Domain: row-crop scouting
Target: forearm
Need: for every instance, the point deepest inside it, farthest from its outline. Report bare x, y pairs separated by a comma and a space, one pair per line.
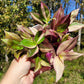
9, 79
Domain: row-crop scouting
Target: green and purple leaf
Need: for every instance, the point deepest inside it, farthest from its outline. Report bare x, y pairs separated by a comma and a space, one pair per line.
40, 36
35, 29
67, 45
69, 55
57, 16
63, 23
44, 63
17, 54
7, 41
46, 47
33, 51
45, 10
23, 29
12, 36
37, 64
12, 44
36, 17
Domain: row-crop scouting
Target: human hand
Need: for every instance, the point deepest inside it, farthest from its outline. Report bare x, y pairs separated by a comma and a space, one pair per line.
18, 72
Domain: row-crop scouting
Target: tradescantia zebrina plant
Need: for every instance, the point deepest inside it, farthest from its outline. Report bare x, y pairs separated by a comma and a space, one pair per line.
47, 44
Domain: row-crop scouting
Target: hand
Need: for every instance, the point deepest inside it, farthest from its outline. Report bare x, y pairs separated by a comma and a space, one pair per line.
18, 72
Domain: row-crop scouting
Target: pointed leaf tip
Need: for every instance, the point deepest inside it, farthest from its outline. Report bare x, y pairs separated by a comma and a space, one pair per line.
71, 55
67, 45
36, 17
75, 26
74, 13
59, 68
45, 11
12, 36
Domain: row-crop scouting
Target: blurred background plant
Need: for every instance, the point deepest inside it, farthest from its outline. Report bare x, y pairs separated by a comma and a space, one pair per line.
14, 12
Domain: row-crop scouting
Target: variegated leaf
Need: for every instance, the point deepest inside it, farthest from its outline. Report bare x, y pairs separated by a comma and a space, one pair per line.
36, 28
44, 63
28, 43
70, 55
33, 51
59, 67
46, 47
23, 29
36, 17
12, 36
45, 10
67, 45
74, 13
40, 36
75, 26
57, 16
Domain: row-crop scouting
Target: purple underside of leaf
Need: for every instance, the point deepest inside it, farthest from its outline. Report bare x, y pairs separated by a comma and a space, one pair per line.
48, 56
57, 16
59, 67
67, 45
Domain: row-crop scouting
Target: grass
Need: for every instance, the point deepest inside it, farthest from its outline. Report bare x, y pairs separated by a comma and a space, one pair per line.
73, 74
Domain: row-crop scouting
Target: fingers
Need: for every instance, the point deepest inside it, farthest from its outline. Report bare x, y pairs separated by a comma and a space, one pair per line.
31, 77
32, 73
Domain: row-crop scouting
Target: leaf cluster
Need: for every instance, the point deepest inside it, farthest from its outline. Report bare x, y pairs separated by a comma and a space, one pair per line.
48, 43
